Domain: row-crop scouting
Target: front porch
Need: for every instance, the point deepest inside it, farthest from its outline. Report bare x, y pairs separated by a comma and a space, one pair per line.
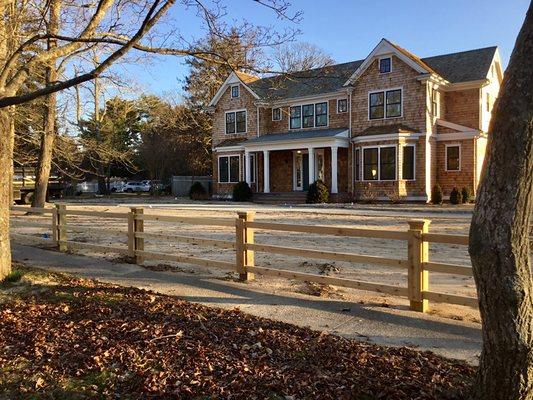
283, 163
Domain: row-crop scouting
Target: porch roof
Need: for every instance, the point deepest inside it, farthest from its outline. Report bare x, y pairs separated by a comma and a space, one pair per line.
302, 139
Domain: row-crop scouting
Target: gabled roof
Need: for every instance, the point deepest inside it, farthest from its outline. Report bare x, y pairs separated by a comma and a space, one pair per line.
465, 66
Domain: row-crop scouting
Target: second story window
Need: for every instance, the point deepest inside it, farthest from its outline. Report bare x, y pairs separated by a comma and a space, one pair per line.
296, 117
321, 111
385, 65
236, 122
309, 115
235, 91
342, 106
276, 114
386, 104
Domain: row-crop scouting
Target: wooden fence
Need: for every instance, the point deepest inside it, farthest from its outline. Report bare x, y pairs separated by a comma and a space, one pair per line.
416, 238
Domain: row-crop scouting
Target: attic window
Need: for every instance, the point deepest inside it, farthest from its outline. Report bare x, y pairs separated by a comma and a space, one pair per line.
235, 91
385, 65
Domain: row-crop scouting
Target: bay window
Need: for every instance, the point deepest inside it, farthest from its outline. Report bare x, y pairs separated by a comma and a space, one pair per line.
370, 164
387, 163
379, 163
408, 162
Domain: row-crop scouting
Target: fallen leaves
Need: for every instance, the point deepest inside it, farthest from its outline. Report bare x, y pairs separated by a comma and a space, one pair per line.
84, 341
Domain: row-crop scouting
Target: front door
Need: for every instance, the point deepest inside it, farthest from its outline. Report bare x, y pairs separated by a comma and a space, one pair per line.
301, 171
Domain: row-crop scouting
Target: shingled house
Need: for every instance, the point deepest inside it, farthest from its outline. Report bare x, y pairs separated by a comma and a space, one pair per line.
391, 125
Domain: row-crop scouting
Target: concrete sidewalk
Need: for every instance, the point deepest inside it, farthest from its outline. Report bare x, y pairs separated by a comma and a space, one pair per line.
387, 326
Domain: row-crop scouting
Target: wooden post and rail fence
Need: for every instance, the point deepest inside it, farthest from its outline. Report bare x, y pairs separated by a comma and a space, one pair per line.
417, 237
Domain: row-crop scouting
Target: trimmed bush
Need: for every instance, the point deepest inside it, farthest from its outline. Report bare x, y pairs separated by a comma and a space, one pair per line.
465, 192
197, 191
242, 192
436, 194
455, 196
318, 193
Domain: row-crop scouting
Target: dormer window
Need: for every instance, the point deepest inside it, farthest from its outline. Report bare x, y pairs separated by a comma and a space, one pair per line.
235, 91
385, 65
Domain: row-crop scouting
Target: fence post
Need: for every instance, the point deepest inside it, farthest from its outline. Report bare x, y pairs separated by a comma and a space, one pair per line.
131, 234
61, 210
417, 276
244, 236
138, 227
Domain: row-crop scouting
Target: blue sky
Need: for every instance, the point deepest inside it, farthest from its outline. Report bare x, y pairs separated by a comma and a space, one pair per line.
349, 29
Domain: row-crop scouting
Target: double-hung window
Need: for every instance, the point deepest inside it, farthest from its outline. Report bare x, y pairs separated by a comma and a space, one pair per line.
385, 104
321, 112
309, 115
408, 162
296, 117
235, 91
379, 163
342, 106
276, 114
228, 169
385, 65
453, 157
236, 122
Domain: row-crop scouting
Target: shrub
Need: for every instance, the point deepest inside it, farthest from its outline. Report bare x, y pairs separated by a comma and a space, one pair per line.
393, 196
436, 194
318, 193
455, 196
242, 192
465, 192
197, 191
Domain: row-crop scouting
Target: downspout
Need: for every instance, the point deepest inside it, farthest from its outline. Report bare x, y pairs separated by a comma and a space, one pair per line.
352, 151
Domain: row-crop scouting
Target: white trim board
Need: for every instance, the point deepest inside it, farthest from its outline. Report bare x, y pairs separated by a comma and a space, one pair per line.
390, 136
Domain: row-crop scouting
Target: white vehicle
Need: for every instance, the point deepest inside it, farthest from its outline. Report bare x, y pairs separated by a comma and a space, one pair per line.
135, 186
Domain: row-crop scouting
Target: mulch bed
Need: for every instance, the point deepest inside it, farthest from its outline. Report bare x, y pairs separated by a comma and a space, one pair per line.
82, 339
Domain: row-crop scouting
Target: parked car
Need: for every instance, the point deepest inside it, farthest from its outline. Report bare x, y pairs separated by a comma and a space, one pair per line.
135, 186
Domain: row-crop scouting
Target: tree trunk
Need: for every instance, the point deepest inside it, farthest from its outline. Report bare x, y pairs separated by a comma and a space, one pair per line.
6, 165
44, 164
499, 236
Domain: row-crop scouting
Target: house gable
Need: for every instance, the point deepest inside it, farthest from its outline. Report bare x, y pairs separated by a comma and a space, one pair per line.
386, 48
234, 79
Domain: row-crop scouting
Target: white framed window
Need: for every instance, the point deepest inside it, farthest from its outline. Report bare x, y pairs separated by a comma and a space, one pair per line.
408, 162
229, 169
385, 65
276, 114
308, 115
234, 91
385, 104
357, 163
235, 121
253, 170
453, 157
379, 163
342, 106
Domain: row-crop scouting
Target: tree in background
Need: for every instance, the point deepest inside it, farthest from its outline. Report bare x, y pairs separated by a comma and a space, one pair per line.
499, 235
299, 56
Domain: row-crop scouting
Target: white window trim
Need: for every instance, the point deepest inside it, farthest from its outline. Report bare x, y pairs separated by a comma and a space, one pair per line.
314, 115
229, 172
238, 91
446, 157
384, 91
280, 114
379, 147
379, 62
245, 119
253, 161
342, 112
413, 145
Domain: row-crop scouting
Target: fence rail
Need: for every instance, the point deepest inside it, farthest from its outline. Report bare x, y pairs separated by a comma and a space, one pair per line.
417, 239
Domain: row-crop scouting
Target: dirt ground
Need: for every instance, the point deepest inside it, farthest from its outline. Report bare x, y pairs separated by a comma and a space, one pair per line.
445, 283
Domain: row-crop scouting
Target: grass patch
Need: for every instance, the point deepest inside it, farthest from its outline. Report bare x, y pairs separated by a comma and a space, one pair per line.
13, 277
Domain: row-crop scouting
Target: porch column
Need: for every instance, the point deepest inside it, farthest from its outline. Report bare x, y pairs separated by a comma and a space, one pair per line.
334, 185
266, 171
311, 157
247, 168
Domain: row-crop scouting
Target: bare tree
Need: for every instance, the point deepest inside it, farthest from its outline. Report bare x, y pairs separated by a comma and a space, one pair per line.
299, 56
119, 25
499, 235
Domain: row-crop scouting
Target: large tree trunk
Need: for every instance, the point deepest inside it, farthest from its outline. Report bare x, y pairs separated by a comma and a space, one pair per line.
499, 236
44, 164
6, 165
